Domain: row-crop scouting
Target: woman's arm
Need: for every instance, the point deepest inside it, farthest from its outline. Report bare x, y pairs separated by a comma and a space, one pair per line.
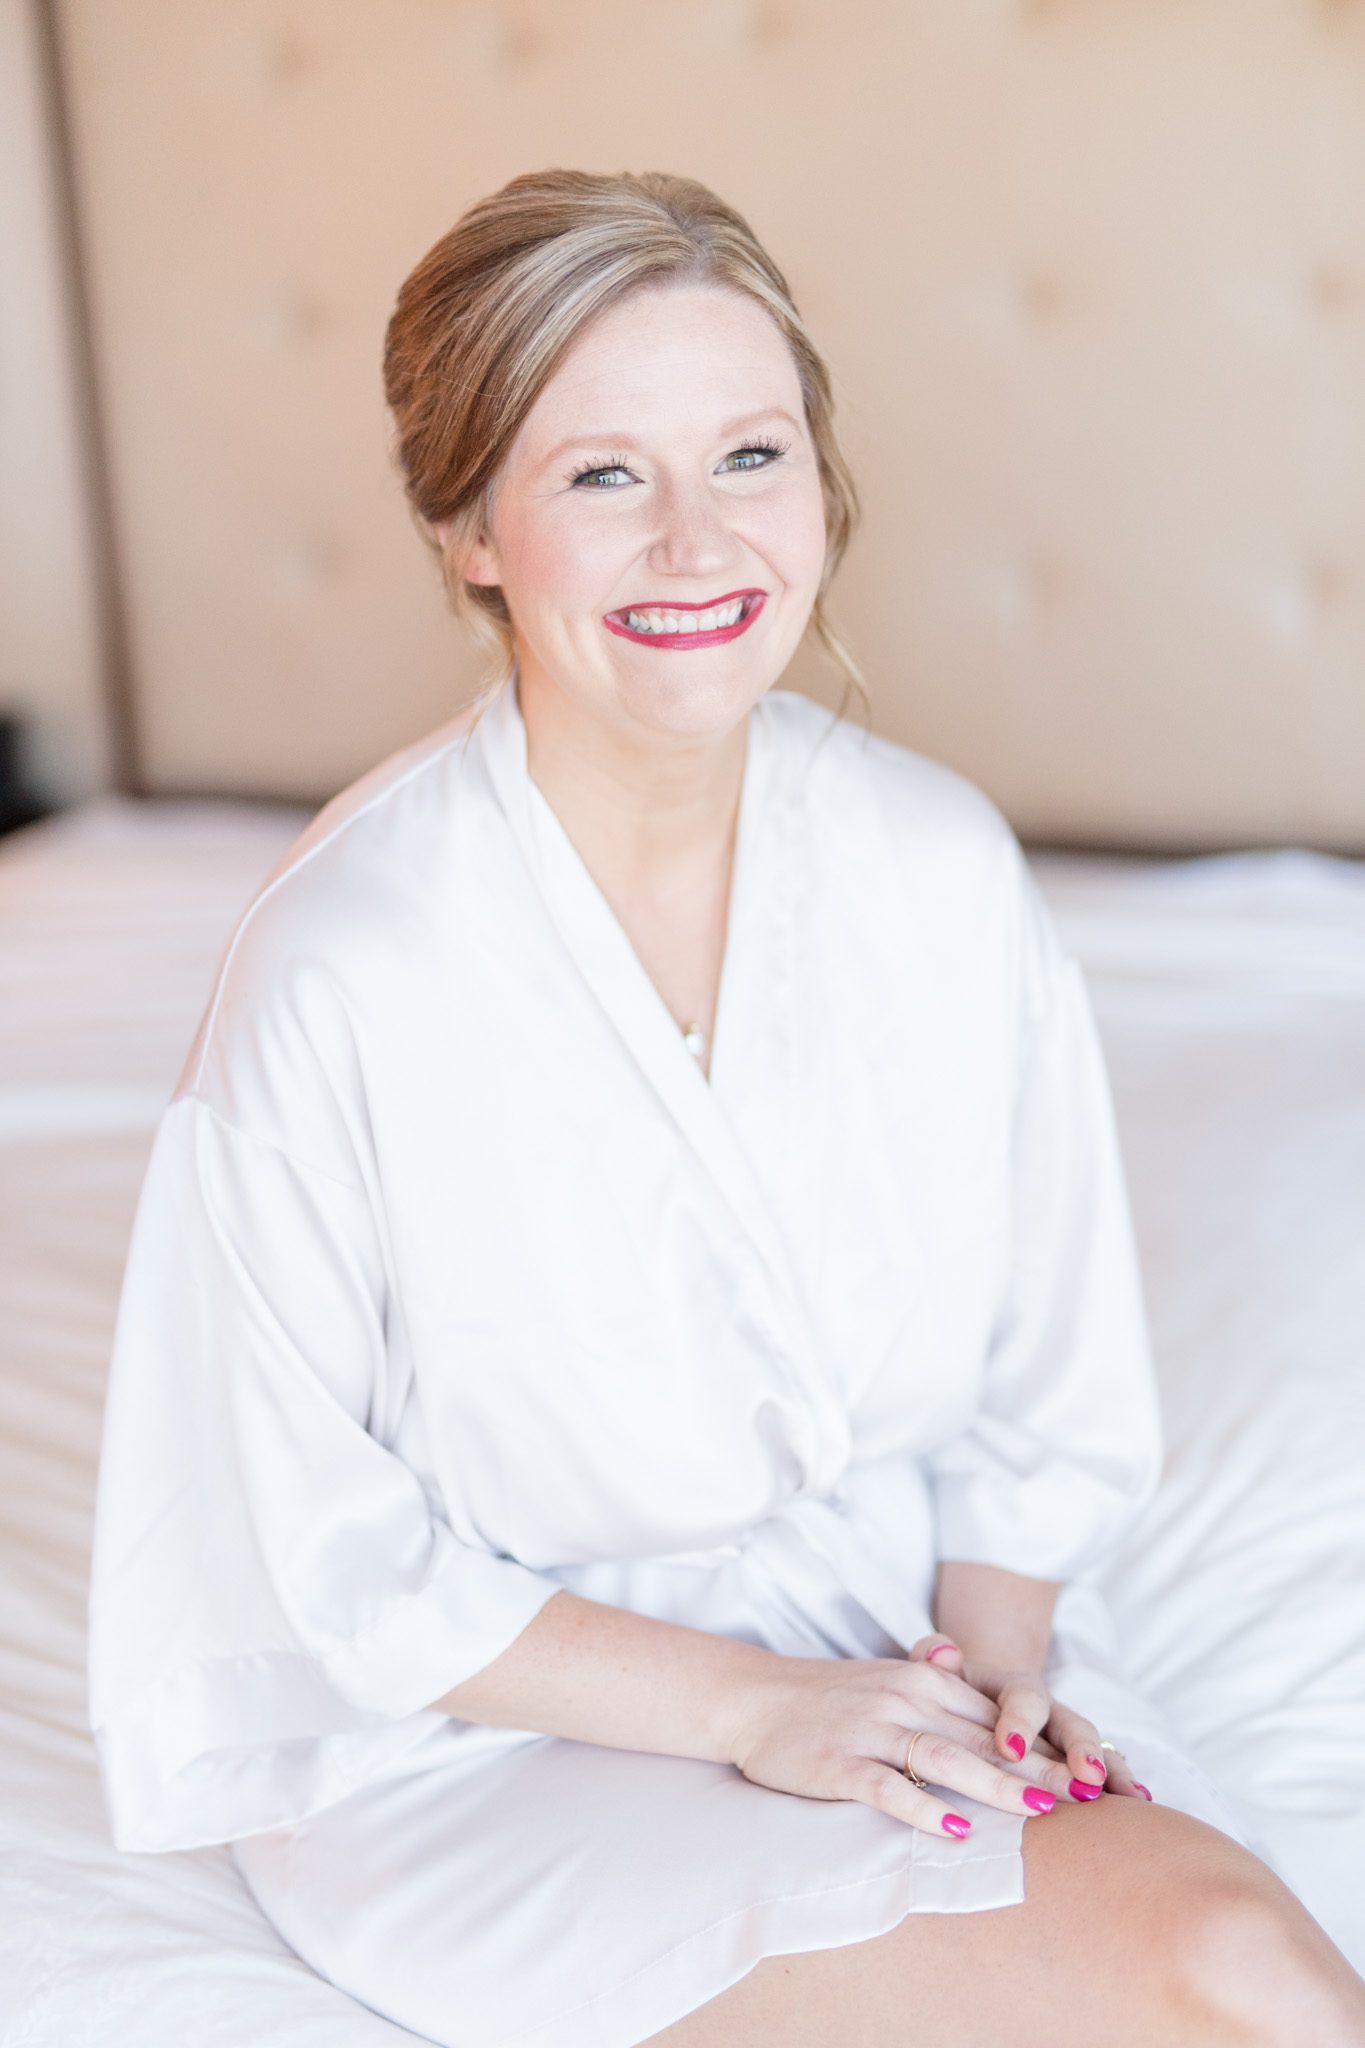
600, 1674
827, 1728
995, 1617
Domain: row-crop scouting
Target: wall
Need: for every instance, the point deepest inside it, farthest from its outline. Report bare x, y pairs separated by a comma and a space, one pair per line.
51, 661
1091, 274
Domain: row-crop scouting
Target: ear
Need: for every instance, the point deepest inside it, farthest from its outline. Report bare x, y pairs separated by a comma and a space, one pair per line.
479, 566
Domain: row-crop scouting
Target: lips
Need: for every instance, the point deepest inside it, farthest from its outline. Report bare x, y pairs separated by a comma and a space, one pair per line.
680, 627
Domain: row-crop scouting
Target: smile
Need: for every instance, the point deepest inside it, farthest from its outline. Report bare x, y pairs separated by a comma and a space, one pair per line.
680, 627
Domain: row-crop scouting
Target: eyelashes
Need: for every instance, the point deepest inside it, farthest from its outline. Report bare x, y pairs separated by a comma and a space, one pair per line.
614, 464
761, 444
760, 452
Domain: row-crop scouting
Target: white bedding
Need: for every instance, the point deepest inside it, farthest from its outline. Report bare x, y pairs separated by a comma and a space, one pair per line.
1231, 994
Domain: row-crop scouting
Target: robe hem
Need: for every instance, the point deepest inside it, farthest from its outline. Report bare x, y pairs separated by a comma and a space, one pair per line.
720, 1955
796, 1924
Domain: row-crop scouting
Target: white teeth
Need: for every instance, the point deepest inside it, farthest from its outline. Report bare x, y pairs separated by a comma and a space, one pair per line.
713, 620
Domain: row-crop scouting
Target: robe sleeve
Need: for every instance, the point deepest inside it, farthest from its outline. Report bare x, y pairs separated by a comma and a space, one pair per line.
277, 1596
1064, 1446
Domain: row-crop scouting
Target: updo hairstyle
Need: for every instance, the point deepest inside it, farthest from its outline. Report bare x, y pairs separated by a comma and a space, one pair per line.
488, 315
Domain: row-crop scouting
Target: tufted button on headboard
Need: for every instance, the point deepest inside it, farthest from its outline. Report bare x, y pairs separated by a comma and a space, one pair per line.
1091, 274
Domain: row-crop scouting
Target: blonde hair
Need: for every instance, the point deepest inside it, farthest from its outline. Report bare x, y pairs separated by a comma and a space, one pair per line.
488, 315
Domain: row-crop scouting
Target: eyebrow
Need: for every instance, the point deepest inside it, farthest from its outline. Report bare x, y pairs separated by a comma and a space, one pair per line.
626, 442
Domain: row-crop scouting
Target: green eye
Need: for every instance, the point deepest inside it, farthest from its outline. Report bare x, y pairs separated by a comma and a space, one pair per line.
610, 478
756, 455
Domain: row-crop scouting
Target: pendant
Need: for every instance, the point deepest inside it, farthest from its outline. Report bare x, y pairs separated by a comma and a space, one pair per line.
694, 1038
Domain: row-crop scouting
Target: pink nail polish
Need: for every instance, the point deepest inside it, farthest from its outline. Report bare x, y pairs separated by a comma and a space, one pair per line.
1099, 1763
1080, 1790
1017, 1744
1143, 1793
939, 1649
1040, 1801
954, 1824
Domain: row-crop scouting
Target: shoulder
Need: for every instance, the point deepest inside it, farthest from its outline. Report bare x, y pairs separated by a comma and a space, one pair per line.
915, 846
870, 787
379, 823
344, 906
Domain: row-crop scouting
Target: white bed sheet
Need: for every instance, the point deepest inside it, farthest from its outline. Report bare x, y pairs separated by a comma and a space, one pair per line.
1231, 998
1231, 995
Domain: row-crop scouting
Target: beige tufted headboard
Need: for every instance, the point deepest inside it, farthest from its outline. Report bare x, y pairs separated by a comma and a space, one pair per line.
1091, 274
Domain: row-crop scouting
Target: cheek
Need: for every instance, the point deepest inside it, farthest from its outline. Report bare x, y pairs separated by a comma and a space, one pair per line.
564, 566
790, 533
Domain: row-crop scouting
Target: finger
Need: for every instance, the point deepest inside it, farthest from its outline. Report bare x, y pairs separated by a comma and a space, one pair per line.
1022, 1697
940, 1651
882, 1786
1079, 1742
1121, 1780
944, 1763
1026, 1708
1040, 1765
954, 1696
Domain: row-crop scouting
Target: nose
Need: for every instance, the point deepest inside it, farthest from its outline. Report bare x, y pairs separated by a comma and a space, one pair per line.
694, 537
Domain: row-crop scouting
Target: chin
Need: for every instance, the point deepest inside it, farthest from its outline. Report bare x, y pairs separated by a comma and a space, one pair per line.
690, 704
705, 692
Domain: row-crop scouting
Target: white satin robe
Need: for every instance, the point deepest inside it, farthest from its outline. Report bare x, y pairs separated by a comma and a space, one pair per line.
454, 1283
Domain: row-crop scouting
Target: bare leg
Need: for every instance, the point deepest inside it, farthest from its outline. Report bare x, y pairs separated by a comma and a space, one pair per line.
1141, 1929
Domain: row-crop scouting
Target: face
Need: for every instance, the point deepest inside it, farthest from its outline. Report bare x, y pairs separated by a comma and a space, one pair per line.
658, 530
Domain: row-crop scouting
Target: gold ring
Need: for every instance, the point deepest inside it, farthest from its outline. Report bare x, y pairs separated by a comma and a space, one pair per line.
910, 1773
1114, 1750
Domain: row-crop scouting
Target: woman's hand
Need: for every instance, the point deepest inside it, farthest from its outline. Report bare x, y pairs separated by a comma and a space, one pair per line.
842, 1729
1031, 1722
822, 1728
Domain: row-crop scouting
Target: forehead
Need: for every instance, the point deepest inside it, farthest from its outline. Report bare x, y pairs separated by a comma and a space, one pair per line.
690, 355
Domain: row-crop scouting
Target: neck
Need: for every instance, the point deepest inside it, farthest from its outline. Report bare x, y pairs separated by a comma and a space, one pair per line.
644, 810
653, 819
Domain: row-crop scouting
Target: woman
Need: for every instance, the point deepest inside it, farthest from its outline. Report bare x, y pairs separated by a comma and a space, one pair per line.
638, 1249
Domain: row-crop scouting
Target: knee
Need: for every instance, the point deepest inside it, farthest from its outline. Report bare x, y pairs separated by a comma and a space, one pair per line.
1242, 1971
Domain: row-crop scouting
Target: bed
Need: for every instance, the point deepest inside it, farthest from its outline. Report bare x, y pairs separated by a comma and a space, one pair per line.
1231, 997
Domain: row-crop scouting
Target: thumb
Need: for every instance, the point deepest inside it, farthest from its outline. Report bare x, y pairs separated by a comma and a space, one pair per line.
940, 1651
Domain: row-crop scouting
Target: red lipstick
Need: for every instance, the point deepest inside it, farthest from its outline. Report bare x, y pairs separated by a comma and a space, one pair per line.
751, 603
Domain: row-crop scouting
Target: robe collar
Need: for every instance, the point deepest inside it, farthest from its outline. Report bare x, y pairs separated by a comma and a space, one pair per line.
603, 955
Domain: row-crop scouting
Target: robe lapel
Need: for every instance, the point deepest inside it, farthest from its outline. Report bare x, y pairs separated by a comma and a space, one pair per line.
607, 962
